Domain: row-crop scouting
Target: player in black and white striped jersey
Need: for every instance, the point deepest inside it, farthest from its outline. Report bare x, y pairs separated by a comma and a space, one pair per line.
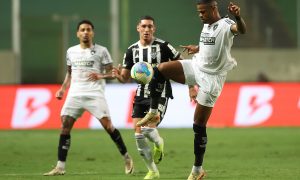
154, 51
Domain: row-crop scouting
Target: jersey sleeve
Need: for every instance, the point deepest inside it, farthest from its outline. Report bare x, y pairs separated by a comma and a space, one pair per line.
106, 58
171, 52
68, 59
229, 23
128, 59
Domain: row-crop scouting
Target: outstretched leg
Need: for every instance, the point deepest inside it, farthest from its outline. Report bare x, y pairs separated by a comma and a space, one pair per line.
169, 70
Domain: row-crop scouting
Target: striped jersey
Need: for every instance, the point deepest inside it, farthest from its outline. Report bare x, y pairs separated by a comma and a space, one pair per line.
83, 62
157, 52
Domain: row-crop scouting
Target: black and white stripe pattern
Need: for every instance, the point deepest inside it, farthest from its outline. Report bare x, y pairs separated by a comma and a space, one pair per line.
157, 52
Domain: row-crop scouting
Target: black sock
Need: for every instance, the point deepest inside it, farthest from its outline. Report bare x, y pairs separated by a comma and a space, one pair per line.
63, 147
156, 88
200, 141
117, 138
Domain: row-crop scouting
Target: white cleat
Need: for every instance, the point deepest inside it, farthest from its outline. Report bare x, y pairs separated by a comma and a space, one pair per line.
197, 176
55, 172
150, 118
129, 169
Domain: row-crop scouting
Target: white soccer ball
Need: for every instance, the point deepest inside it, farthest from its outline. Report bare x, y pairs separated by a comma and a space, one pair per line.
142, 72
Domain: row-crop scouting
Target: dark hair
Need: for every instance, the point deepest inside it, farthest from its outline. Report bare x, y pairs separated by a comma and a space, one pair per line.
85, 21
204, 1
147, 17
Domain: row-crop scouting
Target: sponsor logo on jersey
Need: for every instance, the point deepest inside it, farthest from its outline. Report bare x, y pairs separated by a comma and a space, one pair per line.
208, 40
83, 63
215, 27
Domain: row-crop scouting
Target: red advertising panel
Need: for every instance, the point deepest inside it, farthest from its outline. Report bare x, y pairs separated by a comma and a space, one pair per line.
240, 105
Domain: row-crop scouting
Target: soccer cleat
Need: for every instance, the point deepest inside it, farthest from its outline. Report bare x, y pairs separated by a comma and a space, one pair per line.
150, 118
152, 175
197, 176
158, 152
55, 172
129, 169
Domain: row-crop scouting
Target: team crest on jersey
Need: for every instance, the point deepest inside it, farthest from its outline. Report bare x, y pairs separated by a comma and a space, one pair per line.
153, 55
215, 27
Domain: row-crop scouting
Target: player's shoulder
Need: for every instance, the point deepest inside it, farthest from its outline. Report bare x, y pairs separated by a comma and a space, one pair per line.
100, 47
226, 20
159, 41
74, 48
134, 45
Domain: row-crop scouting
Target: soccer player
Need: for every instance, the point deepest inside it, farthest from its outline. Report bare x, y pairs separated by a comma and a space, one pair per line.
154, 51
207, 70
89, 64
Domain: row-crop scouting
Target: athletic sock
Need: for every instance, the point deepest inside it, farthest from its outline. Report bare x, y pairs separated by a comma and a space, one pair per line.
145, 151
61, 164
153, 135
196, 169
200, 141
156, 88
117, 138
63, 147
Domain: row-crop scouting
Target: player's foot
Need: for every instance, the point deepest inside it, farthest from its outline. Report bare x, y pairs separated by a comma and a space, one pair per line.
197, 176
152, 175
128, 165
158, 152
150, 118
55, 172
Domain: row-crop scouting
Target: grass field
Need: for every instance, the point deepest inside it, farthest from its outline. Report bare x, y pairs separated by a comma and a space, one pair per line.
233, 154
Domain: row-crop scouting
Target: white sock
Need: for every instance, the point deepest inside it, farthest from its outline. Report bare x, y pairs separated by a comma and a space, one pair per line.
154, 111
145, 151
153, 135
126, 156
61, 164
196, 169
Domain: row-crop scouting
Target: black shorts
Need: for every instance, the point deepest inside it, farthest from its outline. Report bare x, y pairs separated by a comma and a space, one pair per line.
141, 109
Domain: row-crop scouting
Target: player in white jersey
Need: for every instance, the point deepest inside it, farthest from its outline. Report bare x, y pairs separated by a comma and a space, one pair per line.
154, 51
205, 73
89, 64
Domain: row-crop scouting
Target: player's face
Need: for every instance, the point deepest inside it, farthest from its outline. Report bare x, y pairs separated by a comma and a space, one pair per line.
146, 28
85, 33
205, 12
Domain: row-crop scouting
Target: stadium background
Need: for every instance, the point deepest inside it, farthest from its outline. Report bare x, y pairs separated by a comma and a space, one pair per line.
270, 48
261, 93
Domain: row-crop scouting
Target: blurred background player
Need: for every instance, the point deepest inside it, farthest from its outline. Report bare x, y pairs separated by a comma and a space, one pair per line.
89, 64
154, 51
207, 69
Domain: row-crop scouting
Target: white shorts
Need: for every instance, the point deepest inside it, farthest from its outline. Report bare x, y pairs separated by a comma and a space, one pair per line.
74, 106
210, 85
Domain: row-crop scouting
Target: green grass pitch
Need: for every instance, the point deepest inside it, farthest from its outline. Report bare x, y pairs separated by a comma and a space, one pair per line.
232, 153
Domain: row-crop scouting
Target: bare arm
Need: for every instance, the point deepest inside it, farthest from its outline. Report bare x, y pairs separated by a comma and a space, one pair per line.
191, 49
60, 93
106, 75
122, 74
240, 26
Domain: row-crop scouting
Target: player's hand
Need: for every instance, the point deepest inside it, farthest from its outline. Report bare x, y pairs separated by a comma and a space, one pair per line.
193, 94
234, 9
95, 76
191, 49
116, 71
59, 94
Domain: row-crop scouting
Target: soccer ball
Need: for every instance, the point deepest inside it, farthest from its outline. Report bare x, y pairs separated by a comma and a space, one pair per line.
142, 72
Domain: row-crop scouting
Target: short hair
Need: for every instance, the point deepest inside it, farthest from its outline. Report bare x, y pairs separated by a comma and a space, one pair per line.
204, 1
85, 21
147, 17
